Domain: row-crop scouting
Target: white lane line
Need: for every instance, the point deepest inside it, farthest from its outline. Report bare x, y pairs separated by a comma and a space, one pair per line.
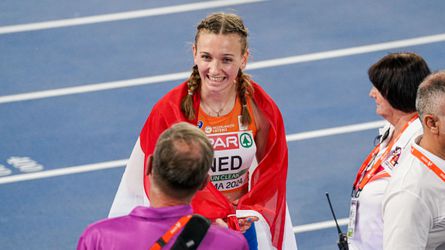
334, 131
63, 171
349, 51
122, 163
319, 225
121, 16
251, 66
93, 87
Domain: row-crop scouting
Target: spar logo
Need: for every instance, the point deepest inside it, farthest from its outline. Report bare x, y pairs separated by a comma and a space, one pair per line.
246, 140
224, 142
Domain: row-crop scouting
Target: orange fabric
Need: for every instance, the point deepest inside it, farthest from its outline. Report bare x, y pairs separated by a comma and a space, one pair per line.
367, 172
230, 120
428, 163
228, 123
379, 175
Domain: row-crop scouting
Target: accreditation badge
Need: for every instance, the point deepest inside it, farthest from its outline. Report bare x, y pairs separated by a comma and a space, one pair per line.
352, 217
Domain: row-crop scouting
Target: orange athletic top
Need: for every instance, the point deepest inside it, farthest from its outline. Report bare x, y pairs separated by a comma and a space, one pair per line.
234, 148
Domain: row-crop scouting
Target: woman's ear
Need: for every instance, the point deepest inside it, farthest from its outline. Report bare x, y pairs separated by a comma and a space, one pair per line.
194, 51
245, 59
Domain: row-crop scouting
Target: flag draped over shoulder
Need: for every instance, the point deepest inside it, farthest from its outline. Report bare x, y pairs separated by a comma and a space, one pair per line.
268, 181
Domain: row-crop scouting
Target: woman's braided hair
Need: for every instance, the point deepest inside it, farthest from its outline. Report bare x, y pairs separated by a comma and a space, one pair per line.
221, 23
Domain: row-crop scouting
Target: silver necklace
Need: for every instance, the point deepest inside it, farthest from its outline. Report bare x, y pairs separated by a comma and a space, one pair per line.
218, 113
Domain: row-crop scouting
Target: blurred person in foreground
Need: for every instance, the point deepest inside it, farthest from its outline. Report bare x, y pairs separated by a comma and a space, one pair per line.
177, 169
414, 203
395, 79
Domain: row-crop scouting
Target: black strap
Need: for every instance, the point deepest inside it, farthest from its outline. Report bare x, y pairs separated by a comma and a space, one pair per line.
192, 234
161, 242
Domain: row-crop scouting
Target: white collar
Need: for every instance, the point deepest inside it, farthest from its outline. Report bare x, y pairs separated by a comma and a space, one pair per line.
434, 158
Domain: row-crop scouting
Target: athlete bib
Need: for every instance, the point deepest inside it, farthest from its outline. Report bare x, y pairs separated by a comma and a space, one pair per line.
234, 148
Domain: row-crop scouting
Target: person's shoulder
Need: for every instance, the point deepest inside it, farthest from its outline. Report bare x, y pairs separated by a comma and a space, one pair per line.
168, 104
99, 232
105, 226
413, 131
259, 92
405, 166
224, 238
408, 176
174, 94
262, 99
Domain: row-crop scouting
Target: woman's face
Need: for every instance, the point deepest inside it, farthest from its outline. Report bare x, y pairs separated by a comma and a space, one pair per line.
219, 59
383, 108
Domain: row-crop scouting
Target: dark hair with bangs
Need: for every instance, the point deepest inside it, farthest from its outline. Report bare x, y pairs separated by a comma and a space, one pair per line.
397, 77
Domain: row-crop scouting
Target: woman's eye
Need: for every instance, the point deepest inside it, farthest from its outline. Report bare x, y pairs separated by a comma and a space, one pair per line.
227, 60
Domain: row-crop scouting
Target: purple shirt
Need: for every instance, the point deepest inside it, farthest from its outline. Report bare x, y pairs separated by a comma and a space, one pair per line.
143, 227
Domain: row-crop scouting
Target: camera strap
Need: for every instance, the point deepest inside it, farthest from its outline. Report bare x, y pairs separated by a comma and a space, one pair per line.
195, 228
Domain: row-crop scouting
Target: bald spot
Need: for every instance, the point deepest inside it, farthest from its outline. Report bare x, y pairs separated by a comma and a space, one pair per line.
192, 148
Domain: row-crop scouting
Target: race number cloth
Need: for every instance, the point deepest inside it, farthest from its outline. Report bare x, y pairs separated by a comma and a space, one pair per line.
268, 181
234, 148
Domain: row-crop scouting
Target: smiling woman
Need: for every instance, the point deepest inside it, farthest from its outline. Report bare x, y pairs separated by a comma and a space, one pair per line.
218, 59
247, 191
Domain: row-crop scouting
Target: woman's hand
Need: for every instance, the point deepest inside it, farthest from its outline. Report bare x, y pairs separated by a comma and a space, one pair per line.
246, 222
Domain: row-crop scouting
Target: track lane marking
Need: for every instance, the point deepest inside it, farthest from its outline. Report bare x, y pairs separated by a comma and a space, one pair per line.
319, 225
334, 131
63, 171
122, 162
121, 16
251, 66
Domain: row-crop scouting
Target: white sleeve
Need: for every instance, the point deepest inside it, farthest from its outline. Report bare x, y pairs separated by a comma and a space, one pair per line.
406, 221
131, 190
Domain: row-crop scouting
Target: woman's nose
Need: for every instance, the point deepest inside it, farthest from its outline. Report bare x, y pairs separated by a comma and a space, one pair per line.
214, 66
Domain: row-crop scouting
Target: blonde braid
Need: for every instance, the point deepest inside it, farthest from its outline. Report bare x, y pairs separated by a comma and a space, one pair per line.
187, 101
245, 89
